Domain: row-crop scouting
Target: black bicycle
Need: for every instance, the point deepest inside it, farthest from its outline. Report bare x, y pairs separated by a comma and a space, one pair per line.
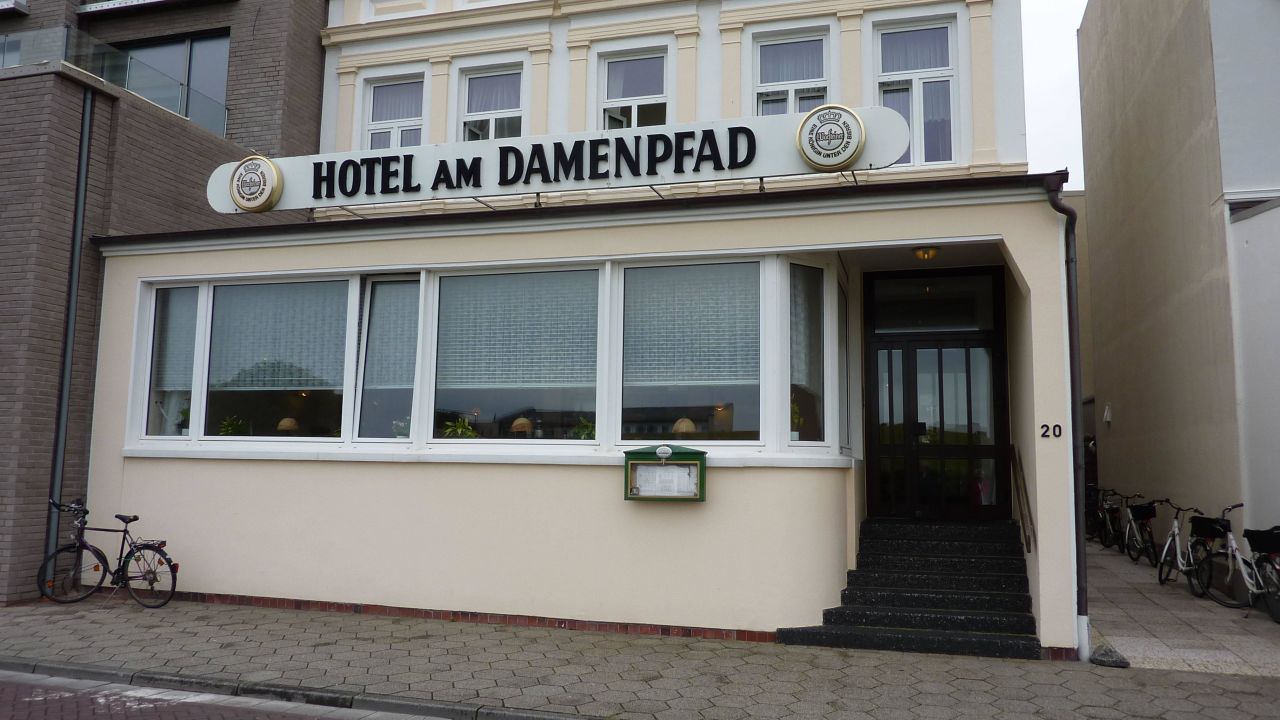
75, 571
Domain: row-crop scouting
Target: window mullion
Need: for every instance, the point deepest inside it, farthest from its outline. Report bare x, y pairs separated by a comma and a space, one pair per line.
428, 328
200, 362
775, 357
608, 413
352, 354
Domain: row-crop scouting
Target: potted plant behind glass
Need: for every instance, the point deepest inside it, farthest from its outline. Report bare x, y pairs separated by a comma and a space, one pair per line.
400, 428
460, 428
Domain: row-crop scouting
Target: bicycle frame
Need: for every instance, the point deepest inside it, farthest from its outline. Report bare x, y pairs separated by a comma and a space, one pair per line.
1247, 572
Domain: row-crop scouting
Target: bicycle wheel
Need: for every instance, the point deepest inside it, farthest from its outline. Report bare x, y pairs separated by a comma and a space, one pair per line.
149, 576
1269, 577
1106, 535
1133, 543
1149, 545
1168, 562
72, 573
1200, 574
1223, 598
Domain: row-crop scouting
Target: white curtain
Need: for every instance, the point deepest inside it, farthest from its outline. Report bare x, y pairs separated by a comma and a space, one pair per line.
174, 339
641, 77
397, 101
520, 330
899, 99
914, 50
391, 350
937, 121
692, 325
490, 93
285, 336
787, 62
806, 328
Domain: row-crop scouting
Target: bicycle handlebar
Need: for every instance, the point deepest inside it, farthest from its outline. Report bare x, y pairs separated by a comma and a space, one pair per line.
76, 506
1229, 508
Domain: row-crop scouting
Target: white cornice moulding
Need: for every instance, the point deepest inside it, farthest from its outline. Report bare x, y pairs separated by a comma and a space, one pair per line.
16, 6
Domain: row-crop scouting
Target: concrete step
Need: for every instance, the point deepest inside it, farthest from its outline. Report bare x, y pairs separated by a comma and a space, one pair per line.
970, 582
986, 564
939, 599
950, 642
931, 619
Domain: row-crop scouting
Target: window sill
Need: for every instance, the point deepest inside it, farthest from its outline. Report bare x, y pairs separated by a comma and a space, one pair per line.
717, 456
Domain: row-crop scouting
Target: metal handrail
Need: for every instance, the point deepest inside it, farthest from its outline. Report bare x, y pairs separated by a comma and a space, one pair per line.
1019, 475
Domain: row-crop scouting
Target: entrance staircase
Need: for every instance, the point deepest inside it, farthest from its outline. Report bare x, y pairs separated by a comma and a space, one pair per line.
937, 587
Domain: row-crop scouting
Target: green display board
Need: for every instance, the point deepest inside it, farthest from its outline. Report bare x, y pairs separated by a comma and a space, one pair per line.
665, 473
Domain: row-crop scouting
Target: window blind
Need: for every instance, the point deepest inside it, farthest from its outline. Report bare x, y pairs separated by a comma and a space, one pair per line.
791, 61
174, 341
692, 325
520, 330
914, 50
491, 93
391, 353
287, 336
398, 101
641, 77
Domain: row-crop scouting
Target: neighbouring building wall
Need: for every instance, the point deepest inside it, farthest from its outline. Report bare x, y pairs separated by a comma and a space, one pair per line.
1245, 55
273, 70
40, 126
1255, 246
1161, 298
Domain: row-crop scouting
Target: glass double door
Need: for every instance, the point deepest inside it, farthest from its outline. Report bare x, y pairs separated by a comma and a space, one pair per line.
936, 428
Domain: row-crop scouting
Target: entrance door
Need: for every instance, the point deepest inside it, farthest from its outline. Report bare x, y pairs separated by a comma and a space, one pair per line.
936, 445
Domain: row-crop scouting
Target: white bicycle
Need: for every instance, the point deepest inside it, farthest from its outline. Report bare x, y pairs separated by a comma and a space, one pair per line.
1176, 557
1260, 574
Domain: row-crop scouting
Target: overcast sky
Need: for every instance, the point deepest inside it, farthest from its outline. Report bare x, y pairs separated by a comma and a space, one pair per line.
1052, 86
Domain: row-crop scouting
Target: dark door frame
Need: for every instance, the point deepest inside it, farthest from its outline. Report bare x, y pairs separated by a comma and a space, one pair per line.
996, 339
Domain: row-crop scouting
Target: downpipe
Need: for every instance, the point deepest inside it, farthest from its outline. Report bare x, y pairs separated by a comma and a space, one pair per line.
69, 325
1053, 186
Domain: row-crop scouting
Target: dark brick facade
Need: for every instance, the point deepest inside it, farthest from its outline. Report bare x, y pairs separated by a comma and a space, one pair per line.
147, 173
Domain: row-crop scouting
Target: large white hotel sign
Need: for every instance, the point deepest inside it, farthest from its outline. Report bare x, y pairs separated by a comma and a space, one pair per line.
828, 139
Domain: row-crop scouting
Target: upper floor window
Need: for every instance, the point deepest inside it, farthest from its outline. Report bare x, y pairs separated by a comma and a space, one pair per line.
187, 76
635, 93
917, 79
790, 76
395, 115
492, 106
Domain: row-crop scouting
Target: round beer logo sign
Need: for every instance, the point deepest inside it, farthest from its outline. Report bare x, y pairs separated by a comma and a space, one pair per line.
256, 184
830, 138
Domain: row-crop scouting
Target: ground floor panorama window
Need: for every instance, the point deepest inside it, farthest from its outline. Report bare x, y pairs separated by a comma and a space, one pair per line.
276, 359
516, 356
691, 352
509, 359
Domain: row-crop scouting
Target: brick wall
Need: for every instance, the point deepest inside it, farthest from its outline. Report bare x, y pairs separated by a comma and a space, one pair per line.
274, 72
148, 170
40, 126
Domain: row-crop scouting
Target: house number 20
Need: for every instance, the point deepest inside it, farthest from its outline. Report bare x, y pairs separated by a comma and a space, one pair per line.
1050, 431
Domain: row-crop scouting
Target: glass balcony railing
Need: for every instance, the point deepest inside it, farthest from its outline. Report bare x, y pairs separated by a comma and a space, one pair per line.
52, 45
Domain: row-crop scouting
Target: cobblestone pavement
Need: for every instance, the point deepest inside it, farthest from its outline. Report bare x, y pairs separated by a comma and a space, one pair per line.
598, 674
38, 697
1165, 627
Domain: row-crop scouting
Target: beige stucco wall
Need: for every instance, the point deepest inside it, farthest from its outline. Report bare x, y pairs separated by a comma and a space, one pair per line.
768, 549
1160, 295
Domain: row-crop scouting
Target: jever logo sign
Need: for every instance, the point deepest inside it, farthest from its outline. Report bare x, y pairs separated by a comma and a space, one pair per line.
831, 138
256, 184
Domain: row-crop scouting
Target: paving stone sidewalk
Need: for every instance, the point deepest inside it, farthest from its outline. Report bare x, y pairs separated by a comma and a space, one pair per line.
599, 674
1164, 627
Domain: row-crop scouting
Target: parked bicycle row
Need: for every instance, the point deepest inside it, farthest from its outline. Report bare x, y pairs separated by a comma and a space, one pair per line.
1209, 557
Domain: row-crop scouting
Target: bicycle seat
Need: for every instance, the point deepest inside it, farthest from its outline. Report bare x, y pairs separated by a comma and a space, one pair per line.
126, 519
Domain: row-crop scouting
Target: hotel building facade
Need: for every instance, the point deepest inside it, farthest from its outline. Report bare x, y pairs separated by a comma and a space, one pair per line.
424, 399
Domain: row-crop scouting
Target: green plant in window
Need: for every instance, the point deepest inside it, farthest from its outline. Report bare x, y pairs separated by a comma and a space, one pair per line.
400, 428
584, 430
184, 418
797, 420
233, 425
460, 428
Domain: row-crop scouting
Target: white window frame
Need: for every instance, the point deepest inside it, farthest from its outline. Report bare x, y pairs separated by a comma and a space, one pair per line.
605, 448
791, 88
916, 79
602, 54
830, 350
368, 127
463, 74
427, 384
366, 304
768, 319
